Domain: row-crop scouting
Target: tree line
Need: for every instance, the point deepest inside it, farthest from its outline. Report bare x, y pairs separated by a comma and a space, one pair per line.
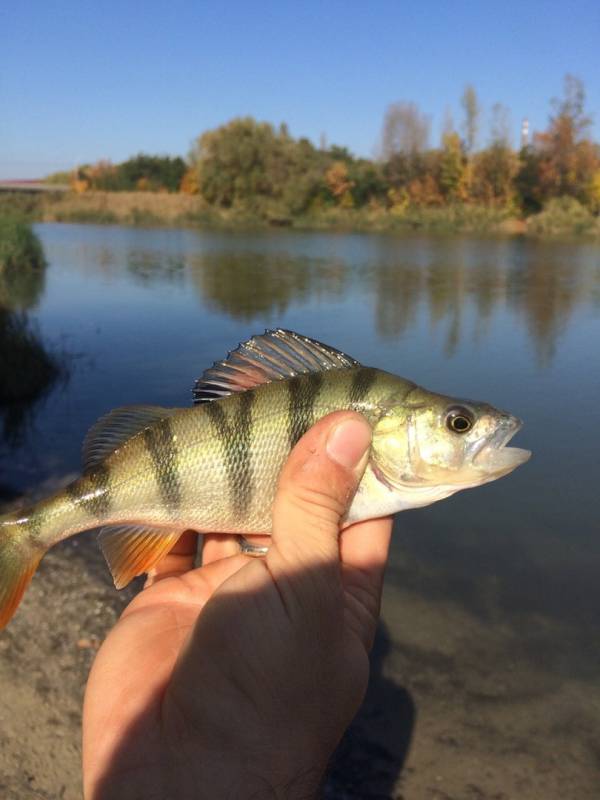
261, 169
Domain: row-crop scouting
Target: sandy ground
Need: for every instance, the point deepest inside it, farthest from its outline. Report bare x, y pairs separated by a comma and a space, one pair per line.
456, 709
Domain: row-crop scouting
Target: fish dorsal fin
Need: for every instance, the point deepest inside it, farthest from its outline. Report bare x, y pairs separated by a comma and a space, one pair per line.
273, 356
132, 550
114, 428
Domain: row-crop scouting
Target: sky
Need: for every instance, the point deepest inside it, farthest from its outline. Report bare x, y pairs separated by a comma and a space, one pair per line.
82, 81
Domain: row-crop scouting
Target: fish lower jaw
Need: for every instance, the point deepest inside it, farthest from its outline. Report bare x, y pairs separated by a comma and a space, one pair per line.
498, 462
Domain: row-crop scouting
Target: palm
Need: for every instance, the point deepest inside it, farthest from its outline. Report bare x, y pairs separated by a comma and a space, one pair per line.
138, 684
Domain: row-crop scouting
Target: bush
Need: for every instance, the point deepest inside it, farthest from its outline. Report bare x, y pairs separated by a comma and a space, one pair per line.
563, 216
19, 246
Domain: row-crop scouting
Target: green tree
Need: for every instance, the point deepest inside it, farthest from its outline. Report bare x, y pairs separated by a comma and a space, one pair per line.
241, 163
453, 168
153, 173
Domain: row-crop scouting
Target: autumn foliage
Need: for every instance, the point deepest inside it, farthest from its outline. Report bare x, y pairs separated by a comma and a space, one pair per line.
250, 166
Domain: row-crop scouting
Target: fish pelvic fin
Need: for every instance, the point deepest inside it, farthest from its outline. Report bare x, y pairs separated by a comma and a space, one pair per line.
132, 550
19, 559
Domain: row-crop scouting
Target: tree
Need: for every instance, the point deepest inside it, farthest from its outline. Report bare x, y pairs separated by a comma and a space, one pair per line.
492, 175
151, 173
339, 184
563, 160
570, 109
453, 168
239, 162
494, 168
472, 111
368, 183
500, 126
250, 165
405, 130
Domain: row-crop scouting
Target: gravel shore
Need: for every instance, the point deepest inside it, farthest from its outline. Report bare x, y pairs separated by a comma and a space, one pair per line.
456, 710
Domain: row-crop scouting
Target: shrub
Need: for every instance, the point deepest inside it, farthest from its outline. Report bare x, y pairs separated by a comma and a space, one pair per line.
563, 216
19, 246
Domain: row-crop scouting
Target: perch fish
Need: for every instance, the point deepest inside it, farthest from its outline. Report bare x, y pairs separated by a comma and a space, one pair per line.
150, 472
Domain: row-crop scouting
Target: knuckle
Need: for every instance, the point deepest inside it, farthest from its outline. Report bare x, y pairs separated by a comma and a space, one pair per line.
320, 505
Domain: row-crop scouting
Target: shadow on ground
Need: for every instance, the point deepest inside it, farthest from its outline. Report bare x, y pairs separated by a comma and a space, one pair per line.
370, 758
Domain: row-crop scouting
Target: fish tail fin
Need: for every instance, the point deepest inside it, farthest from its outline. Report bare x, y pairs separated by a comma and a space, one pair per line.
19, 559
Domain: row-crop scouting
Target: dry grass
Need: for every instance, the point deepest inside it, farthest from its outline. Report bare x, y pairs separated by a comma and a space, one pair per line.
141, 208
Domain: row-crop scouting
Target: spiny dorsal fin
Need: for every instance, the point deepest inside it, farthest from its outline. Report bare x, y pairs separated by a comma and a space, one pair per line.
114, 428
132, 550
273, 356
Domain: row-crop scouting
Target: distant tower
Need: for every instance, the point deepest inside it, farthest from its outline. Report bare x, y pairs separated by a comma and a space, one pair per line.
525, 133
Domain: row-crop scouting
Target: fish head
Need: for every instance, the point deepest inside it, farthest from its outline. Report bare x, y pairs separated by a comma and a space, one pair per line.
431, 441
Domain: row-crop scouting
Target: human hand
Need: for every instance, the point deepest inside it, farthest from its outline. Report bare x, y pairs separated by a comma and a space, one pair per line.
237, 679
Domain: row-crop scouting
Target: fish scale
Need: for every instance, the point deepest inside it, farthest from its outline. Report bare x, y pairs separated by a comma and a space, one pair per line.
151, 472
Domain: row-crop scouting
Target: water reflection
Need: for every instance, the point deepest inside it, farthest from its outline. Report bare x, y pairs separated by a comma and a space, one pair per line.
21, 289
458, 279
461, 286
149, 266
28, 371
249, 286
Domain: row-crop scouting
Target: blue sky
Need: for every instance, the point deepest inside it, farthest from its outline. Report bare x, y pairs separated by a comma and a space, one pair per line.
80, 81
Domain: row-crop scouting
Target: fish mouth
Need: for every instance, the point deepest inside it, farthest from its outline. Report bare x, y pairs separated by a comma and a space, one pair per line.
494, 457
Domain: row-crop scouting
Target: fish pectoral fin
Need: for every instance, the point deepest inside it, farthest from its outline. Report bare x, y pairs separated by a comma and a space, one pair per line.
132, 550
273, 356
113, 429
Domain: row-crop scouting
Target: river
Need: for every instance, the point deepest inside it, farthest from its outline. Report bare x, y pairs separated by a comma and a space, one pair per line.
487, 671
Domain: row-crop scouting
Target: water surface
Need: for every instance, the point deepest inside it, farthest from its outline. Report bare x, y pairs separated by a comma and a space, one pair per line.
136, 315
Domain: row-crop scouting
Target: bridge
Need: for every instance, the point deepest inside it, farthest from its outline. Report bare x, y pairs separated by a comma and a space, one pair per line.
32, 186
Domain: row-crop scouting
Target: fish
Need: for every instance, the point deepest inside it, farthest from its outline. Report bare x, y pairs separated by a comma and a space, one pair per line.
150, 473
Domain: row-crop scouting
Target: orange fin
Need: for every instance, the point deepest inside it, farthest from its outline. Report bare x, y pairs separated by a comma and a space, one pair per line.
18, 561
132, 550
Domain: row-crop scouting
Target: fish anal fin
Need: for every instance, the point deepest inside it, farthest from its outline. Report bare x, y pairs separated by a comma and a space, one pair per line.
273, 356
114, 428
132, 550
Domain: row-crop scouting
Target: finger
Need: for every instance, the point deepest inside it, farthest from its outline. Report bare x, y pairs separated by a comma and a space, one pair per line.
316, 487
192, 588
180, 559
217, 546
365, 546
364, 549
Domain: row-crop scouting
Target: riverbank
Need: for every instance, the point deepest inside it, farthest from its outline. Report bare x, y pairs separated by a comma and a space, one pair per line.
561, 218
443, 718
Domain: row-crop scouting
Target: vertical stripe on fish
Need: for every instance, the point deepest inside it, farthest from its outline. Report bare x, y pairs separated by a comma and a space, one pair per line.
92, 492
362, 382
161, 445
303, 391
234, 434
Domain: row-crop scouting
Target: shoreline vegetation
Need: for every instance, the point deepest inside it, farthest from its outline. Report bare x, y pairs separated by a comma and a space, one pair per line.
247, 173
27, 368
561, 217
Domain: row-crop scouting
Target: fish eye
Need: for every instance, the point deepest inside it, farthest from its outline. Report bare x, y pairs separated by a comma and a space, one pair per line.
459, 420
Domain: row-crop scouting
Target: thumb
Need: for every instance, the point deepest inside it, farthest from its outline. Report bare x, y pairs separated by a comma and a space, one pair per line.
316, 487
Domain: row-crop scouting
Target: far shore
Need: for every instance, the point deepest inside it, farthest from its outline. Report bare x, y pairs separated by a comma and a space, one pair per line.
153, 209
